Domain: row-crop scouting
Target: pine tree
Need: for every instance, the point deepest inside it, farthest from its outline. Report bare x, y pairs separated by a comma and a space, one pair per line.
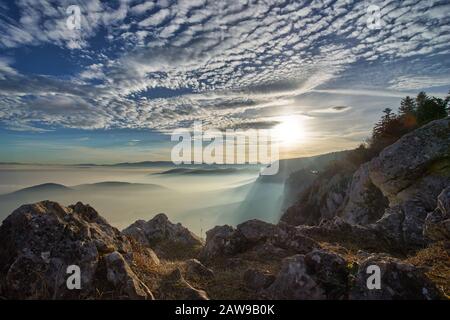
421, 99
447, 102
380, 128
408, 112
407, 106
387, 115
391, 127
429, 109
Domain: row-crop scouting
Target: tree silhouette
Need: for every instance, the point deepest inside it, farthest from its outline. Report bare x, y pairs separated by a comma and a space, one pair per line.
447, 101
408, 112
407, 106
411, 114
387, 130
391, 127
430, 108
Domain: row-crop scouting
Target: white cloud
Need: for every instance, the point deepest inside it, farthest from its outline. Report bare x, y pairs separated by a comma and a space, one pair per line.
417, 82
233, 60
142, 7
156, 19
5, 67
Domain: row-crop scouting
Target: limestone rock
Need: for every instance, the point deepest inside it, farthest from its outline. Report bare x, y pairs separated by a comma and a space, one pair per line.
317, 275
399, 281
39, 241
257, 280
256, 230
159, 229
163, 236
293, 239
321, 200
220, 241
294, 282
152, 257
340, 231
404, 222
264, 239
391, 195
331, 272
403, 163
364, 202
126, 283
437, 223
175, 287
195, 267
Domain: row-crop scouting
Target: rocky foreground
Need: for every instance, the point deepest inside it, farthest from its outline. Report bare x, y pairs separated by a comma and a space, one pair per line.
393, 212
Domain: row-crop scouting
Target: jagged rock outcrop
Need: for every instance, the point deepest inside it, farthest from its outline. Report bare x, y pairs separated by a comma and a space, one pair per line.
123, 279
159, 229
162, 235
294, 282
221, 241
402, 164
325, 275
196, 268
437, 223
399, 281
364, 203
175, 287
316, 275
339, 231
39, 241
392, 194
411, 173
256, 230
297, 183
257, 280
257, 236
292, 239
322, 199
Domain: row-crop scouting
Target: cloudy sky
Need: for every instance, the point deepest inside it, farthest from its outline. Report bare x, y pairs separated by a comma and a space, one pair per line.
112, 89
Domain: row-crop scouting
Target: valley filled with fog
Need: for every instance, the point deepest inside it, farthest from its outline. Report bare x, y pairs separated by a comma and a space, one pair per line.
199, 198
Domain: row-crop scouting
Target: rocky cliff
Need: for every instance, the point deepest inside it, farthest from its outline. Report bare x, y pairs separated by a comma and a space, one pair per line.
390, 195
392, 212
40, 241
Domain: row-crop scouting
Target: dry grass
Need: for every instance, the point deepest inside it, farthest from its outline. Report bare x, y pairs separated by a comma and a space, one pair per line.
228, 281
436, 260
176, 251
228, 284
146, 270
354, 240
349, 254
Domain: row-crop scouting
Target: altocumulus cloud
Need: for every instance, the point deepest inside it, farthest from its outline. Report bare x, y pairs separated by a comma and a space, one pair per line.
216, 61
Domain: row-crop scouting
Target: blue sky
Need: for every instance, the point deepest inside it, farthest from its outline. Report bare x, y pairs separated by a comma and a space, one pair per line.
135, 69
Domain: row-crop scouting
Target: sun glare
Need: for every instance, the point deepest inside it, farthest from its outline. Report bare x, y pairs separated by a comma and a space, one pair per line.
290, 130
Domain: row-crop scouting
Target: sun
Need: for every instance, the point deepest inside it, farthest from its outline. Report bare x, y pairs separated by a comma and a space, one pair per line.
290, 130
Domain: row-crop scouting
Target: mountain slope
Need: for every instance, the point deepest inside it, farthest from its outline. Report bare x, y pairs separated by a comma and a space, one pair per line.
270, 195
393, 193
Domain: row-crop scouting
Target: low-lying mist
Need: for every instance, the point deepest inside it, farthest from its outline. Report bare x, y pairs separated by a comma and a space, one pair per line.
199, 197
199, 200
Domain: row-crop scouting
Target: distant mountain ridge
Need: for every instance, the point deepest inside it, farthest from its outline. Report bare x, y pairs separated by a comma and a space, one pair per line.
206, 171
55, 187
67, 194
